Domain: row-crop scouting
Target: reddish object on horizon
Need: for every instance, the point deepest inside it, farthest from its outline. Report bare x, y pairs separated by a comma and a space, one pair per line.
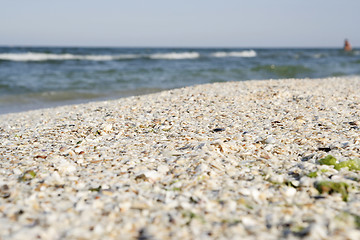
347, 46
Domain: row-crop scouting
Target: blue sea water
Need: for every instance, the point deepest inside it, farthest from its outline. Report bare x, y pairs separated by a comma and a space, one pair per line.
37, 77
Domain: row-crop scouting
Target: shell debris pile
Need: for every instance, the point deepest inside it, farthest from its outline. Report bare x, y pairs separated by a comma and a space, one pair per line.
215, 161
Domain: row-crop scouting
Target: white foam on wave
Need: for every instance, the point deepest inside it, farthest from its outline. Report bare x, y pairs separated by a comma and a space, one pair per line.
33, 56
247, 53
30, 56
318, 55
175, 55
109, 57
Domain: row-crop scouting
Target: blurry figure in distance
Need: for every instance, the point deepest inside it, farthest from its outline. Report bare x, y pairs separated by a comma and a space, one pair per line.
347, 46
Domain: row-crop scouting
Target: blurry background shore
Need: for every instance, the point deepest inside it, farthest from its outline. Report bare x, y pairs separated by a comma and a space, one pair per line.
37, 77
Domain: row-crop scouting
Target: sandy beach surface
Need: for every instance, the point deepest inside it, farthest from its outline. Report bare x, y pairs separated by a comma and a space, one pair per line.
275, 159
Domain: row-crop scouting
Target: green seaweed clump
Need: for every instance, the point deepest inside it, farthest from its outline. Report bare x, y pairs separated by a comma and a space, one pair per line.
97, 189
27, 176
191, 216
313, 174
357, 220
316, 173
331, 187
352, 164
328, 160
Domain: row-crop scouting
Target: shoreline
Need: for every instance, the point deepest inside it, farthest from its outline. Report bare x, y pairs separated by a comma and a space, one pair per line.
218, 160
54, 104
100, 100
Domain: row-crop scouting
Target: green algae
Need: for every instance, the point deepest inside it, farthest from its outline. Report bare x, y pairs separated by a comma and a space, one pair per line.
328, 160
97, 189
287, 71
331, 187
313, 174
231, 222
356, 220
190, 216
27, 176
352, 164
300, 231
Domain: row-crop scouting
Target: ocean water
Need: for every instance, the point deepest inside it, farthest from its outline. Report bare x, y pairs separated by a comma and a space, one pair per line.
37, 77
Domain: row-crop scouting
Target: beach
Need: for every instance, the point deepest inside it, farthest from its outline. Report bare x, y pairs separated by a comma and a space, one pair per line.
269, 159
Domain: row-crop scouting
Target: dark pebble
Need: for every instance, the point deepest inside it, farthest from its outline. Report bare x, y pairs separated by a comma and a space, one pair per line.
218, 129
325, 149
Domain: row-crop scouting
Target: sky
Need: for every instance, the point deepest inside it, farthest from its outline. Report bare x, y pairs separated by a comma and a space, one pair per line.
181, 23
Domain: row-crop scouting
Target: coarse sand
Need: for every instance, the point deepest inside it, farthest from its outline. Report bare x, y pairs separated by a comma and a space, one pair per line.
273, 159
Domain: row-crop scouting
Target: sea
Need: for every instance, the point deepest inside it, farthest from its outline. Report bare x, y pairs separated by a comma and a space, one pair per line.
41, 77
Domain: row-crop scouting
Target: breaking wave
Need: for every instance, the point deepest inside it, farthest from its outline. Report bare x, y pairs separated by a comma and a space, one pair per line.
31, 56
247, 53
175, 55
41, 57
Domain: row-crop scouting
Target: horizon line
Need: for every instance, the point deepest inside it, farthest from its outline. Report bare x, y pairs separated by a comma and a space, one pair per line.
138, 46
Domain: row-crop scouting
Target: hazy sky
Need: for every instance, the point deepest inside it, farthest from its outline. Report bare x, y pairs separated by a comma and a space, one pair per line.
202, 23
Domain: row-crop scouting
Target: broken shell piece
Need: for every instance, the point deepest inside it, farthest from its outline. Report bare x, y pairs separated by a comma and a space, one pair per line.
107, 127
150, 176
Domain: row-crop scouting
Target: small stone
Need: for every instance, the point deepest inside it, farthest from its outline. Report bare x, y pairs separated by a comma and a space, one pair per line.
218, 129
5, 191
270, 140
355, 123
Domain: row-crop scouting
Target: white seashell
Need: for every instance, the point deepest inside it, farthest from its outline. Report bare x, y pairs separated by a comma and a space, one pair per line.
270, 140
290, 192
278, 178
80, 160
232, 205
65, 166
17, 171
162, 169
249, 222
318, 231
98, 204
56, 178
124, 206
201, 168
150, 176
256, 195
79, 150
170, 153
107, 127
245, 191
